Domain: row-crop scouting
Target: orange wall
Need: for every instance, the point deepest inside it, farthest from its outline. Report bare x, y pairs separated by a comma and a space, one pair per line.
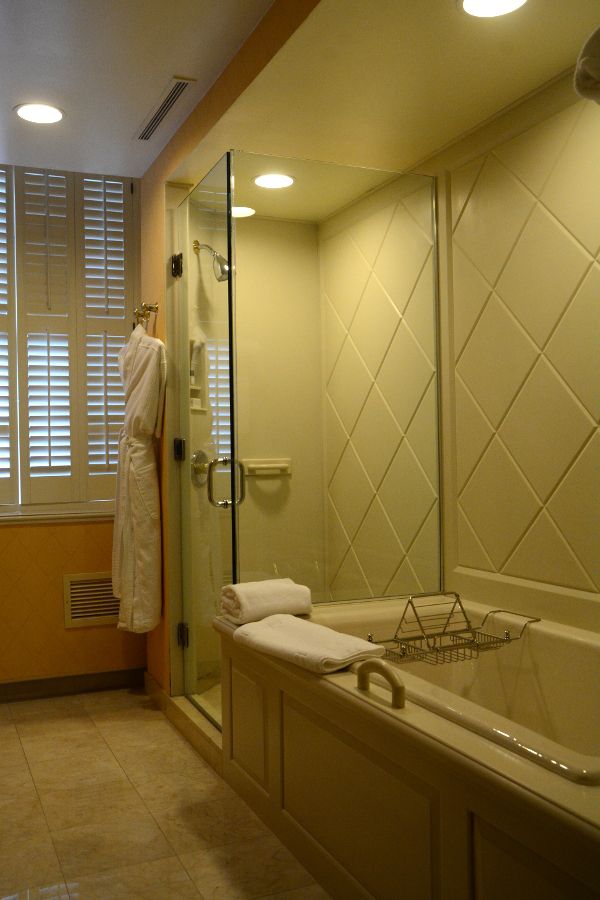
34, 642
279, 23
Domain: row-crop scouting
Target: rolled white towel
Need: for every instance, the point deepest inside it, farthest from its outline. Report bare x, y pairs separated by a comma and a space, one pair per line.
314, 647
251, 601
587, 69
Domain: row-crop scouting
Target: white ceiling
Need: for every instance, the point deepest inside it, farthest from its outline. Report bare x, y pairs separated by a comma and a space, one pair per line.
387, 83
382, 83
107, 63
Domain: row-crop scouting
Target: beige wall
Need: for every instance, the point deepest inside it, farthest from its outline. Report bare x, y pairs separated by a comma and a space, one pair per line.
378, 297
341, 380
34, 642
279, 399
522, 375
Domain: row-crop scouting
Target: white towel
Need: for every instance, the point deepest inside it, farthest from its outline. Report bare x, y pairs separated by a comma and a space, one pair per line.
587, 70
314, 647
253, 600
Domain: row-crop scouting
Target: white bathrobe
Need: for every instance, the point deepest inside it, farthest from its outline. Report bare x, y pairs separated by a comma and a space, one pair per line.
136, 559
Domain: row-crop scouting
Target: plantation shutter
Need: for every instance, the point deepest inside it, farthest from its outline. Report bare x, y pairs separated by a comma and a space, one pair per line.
8, 447
219, 395
104, 290
75, 257
47, 336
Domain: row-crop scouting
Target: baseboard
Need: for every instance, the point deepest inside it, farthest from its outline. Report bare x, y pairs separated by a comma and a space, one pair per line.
201, 734
70, 684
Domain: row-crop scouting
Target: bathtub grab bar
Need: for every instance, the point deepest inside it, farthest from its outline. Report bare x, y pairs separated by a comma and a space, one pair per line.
380, 667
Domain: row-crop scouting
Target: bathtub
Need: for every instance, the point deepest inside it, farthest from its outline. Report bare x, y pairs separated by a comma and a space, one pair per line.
538, 695
485, 785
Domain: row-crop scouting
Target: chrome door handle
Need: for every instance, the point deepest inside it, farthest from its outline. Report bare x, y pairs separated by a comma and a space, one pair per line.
210, 468
242, 472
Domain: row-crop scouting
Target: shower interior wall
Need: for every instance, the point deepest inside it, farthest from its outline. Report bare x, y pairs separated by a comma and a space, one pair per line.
336, 371
279, 406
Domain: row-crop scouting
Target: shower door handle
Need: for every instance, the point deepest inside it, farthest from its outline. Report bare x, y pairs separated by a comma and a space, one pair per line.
210, 469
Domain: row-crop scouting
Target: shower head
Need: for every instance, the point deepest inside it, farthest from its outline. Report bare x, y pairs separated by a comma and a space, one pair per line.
220, 264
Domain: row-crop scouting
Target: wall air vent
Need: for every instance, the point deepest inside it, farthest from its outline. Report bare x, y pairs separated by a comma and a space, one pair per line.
89, 600
175, 89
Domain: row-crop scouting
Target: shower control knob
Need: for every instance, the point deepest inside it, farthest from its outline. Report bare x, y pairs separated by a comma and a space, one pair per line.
199, 466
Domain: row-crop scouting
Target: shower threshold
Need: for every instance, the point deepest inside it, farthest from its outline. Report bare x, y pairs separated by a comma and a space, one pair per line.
207, 699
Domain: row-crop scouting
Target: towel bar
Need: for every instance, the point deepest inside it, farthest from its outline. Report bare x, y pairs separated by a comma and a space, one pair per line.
267, 467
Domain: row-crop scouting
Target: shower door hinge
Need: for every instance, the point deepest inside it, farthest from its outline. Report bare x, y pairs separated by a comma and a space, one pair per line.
177, 265
179, 449
183, 635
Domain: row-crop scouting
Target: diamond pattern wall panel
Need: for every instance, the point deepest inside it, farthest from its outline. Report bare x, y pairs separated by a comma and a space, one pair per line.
381, 420
527, 337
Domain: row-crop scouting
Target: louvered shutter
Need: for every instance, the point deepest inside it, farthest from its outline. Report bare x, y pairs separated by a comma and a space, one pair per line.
104, 210
105, 402
104, 235
72, 313
47, 336
49, 404
219, 395
8, 436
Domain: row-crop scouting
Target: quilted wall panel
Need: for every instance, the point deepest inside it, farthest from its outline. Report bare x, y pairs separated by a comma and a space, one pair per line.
526, 285
377, 276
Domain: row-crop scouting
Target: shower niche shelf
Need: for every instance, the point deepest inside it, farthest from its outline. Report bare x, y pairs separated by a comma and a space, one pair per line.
198, 375
434, 628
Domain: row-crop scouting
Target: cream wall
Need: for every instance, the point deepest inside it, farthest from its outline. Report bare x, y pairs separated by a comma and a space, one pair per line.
522, 373
381, 460
279, 400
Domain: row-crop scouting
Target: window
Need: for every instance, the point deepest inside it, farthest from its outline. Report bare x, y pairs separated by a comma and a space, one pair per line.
218, 395
67, 269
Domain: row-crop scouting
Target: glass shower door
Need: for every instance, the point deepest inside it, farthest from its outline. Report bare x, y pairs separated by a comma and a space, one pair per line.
208, 481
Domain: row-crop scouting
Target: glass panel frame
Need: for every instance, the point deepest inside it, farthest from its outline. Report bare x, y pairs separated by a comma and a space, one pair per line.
207, 426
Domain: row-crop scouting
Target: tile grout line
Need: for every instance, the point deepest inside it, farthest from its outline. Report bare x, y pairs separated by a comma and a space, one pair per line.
65, 881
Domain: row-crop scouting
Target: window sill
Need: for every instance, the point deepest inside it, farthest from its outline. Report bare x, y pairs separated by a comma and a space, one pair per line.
75, 512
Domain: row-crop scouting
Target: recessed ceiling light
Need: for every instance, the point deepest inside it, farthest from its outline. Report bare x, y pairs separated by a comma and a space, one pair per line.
273, 180
487, 9
242, 212
40, 113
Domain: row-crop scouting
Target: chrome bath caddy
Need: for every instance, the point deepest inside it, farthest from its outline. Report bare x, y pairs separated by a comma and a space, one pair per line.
435, 628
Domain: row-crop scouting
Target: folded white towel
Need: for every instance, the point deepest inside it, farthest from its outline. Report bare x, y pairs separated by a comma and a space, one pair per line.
253, 600
587, 69
306, 644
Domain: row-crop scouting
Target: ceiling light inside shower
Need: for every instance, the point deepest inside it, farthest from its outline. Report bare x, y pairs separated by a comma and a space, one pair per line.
273, 180
242, 212
488, 9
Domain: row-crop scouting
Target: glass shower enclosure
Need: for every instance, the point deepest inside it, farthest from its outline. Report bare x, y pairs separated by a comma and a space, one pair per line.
308, 390
206, 424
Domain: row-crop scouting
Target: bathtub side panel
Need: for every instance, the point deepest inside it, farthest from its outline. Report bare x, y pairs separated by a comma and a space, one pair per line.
368, 801
504, 868
360, 807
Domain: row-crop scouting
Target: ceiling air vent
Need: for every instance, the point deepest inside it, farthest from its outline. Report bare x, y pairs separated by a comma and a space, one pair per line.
89, 600
174, 91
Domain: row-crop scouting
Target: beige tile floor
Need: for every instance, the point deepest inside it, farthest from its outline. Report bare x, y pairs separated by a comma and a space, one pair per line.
101, 798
